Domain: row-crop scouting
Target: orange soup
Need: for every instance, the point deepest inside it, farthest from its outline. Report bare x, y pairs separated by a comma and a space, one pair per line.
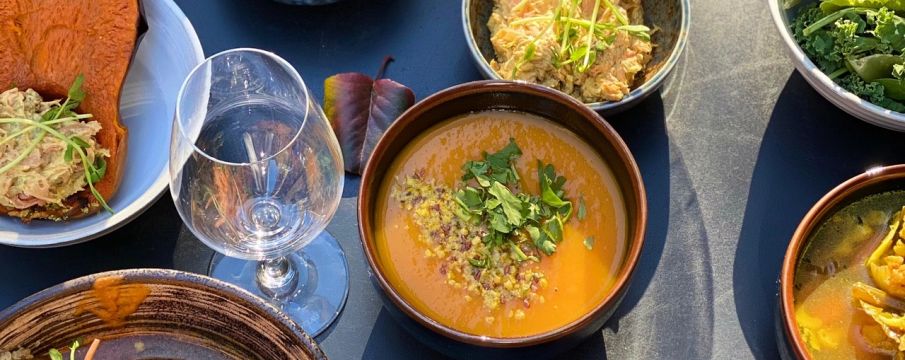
533, 292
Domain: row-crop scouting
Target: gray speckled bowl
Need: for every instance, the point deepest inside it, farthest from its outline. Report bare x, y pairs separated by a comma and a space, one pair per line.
205, 318
672, 17
840, 97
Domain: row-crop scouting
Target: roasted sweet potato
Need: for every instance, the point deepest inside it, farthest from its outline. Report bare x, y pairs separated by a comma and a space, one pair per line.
45, 44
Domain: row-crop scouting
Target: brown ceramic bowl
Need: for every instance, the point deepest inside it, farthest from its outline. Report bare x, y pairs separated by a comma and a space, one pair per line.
183, 316
874, 181
504, 95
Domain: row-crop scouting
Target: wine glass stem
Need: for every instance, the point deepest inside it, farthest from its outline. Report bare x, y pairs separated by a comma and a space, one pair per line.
278, 277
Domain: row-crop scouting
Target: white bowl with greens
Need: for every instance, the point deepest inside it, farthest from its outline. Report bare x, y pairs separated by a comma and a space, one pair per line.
851, 52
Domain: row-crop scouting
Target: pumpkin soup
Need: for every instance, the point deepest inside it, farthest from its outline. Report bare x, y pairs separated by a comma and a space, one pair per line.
501, 224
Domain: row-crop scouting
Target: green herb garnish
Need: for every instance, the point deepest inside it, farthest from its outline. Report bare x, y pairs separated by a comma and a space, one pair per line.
573, 48
491, 196
589, 242
57, 355
582, 211
74, 145
75, 345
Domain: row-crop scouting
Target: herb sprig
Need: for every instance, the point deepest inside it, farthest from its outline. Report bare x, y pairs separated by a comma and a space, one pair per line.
57, 355
576, 48
59, 114
491, 196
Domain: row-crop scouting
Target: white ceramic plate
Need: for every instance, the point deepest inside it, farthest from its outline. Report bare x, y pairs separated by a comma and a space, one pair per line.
167, 52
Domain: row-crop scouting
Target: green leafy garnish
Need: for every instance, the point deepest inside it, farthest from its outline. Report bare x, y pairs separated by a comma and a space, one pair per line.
491, 197
575, 48
74, 145
589, 242
582, 211
57, 355
75, 345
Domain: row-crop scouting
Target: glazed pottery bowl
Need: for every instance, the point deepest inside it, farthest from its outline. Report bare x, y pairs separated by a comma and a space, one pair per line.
874, 181
672, 18
203, 317
519, 97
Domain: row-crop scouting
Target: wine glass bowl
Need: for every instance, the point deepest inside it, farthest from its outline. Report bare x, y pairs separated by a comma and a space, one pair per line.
256, 174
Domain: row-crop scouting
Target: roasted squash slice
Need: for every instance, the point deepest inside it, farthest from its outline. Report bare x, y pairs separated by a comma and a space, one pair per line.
44, 45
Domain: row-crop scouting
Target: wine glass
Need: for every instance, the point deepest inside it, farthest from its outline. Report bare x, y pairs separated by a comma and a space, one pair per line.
256, 174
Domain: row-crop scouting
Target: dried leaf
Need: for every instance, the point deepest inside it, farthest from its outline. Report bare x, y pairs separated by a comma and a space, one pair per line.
360, 109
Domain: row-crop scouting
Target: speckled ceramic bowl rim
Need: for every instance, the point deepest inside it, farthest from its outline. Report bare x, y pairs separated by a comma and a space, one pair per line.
166, 276
635, 191
839, 96
636, 94
811, 222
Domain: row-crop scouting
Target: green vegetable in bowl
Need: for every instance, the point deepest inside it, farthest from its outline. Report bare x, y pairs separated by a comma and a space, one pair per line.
860, 44
873, 67
835, 5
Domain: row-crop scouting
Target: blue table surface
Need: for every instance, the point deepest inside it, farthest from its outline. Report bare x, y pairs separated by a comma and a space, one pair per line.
734, 150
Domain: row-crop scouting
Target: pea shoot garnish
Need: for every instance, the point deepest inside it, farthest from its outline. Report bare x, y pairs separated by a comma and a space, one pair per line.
580, 38
48, 124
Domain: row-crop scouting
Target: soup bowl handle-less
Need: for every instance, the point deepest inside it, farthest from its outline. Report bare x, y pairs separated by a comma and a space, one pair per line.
873, 181
196, 311
509, 96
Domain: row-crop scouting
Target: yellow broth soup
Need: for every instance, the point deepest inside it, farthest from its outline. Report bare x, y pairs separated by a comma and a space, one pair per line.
538, 295
842, 310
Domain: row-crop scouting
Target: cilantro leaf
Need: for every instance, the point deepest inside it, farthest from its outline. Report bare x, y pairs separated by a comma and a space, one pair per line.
500, 163
550, 187
512, 206
499, 222
540, 239
553, 228
589, 242
582, 211
55, 354
486, 197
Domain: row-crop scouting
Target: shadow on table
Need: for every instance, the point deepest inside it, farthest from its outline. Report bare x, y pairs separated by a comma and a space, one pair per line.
140, 244
388, 340
680, 295
352, 35
809, 147
353, 27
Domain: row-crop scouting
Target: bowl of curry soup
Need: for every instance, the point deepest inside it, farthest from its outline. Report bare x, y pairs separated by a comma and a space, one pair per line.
842, 286
501, 215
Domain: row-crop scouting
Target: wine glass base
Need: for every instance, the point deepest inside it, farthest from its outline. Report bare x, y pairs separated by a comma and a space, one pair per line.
322, 288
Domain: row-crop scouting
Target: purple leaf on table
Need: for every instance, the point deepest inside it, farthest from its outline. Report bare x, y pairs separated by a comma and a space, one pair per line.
360, 109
